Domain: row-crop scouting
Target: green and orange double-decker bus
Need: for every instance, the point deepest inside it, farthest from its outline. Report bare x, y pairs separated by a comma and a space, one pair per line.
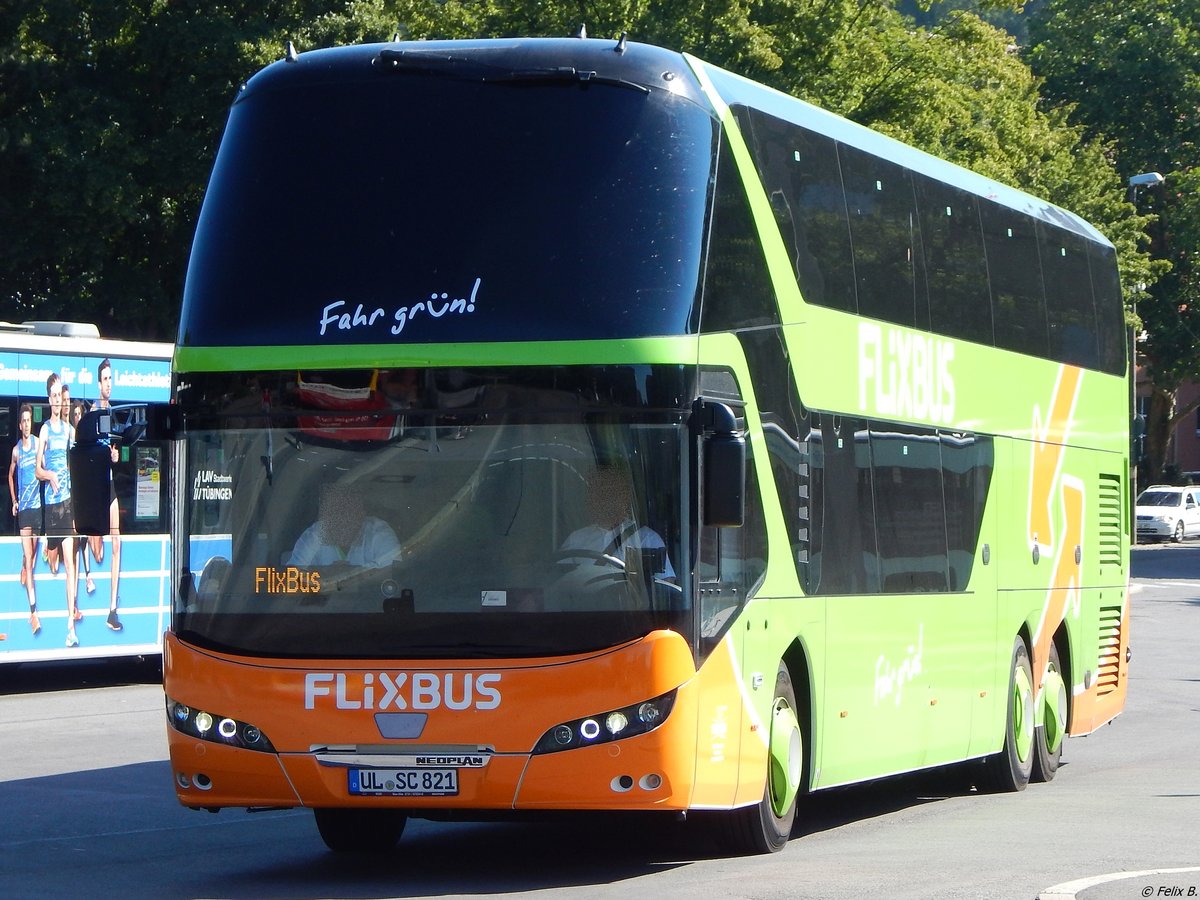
574, 425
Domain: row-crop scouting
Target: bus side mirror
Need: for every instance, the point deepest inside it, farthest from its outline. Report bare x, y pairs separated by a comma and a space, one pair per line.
90, 462
724, 468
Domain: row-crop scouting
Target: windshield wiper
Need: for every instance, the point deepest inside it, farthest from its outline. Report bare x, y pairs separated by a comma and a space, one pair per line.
425, 62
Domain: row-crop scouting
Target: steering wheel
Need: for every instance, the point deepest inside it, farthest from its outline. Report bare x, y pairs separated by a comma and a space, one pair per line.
595, 556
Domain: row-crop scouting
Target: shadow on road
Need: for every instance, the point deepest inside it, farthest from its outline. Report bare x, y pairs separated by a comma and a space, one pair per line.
131, 837
40, 677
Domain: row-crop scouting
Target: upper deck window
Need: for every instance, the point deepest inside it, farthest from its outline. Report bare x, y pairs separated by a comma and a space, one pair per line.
419, 208
927, 254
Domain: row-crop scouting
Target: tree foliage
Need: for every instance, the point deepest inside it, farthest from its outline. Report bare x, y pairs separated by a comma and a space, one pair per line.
109, 120
110, 114
1128, 72
1130, 69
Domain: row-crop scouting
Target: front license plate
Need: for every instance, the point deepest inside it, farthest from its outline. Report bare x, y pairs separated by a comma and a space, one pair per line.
404, 782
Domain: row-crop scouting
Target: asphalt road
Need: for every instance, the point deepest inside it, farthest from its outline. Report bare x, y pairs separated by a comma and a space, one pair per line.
87, 809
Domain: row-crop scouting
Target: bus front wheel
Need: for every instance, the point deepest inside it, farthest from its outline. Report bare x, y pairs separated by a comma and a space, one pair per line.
360, 830
766, 826
1009, 770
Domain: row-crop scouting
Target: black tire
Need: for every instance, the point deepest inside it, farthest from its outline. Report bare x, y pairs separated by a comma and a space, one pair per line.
360, 830
1010, 769
757, 828
1178, 536
1045, 760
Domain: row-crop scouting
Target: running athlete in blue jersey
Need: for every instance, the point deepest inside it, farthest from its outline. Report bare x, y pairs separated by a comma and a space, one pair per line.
54, 441
26, 493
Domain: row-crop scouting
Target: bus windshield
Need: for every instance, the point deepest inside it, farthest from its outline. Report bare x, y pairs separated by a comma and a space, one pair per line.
459, 210
384, 515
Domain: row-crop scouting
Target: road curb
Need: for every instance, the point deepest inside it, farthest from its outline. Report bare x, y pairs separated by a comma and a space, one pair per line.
1070, 890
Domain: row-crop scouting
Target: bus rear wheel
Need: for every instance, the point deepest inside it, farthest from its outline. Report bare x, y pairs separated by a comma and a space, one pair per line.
1052, 722
360, 830
1010, 769
766, 826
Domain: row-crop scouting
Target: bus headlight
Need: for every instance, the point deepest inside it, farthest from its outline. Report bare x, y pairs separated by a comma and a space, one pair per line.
602, 728
199, 723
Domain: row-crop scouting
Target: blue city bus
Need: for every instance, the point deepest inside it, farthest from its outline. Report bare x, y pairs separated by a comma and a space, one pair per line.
141, 374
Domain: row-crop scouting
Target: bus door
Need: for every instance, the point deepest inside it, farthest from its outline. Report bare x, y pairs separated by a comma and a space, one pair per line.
730, 565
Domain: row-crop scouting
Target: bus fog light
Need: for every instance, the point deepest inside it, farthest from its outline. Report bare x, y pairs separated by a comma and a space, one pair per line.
651, 782
622, 783
202, 781
182, 780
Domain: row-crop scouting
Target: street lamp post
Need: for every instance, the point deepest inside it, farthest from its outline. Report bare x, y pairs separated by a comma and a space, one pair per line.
1145, 180
1137, 183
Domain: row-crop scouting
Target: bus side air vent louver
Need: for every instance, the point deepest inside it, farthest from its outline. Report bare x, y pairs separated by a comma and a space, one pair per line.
1109, 505
1108, 667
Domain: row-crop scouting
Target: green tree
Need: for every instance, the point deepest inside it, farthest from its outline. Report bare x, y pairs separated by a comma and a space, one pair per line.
1128, 71
1170, 315
109, 117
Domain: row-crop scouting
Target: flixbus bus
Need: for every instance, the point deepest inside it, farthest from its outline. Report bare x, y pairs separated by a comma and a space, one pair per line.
570, 424
120, 584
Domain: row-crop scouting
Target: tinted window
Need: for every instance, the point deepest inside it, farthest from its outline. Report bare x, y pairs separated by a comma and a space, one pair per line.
1015, 274
737, 287
867, 235
1110, 308
952, 239
491, 480
800, 172
843, 555
885, 233
910, 513
967, 462
459, 210
897, 509
1071, 313
784, 424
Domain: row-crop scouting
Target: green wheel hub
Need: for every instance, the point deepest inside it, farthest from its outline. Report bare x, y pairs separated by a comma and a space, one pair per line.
1022, 709
1054, 709
787, 754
